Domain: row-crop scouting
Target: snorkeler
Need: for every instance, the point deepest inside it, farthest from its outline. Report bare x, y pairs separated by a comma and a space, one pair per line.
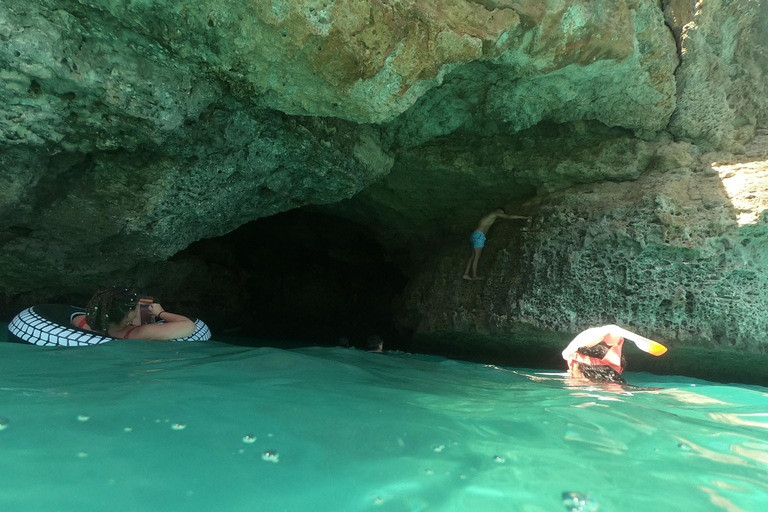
116, 313
595, 354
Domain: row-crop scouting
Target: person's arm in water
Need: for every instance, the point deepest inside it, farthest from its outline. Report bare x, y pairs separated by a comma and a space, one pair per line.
173, 326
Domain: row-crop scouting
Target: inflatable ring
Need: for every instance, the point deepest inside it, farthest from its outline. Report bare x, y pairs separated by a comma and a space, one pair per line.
50, 324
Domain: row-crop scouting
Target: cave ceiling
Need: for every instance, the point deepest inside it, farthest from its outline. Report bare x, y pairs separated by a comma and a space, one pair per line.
131, 129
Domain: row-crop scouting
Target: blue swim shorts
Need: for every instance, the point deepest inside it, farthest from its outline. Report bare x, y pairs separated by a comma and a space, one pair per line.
477, 239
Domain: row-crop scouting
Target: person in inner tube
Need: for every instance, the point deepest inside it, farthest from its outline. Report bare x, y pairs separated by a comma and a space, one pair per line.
595, 354
117, 313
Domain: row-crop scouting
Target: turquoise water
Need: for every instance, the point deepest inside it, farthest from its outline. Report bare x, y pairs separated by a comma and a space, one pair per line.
149, 426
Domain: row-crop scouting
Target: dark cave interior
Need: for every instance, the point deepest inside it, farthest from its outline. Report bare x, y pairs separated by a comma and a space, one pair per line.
299, 275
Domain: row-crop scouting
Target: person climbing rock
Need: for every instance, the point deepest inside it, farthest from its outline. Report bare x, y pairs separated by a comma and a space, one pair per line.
477, 239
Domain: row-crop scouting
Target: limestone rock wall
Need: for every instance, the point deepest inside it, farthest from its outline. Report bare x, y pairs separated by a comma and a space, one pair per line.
463, 152
370, 61
117, 153
527, 122
440, 188
613, 62
675, 254
722, 93
132, 128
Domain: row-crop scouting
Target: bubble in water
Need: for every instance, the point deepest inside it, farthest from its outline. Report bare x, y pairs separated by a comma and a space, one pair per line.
82, 455
271, 456
249, 439
127, 429
178, 426
4, 423
83, 417
439, 448
499, 459
577, 502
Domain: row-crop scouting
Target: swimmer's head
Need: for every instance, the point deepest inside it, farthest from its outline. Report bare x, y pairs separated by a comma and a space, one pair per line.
600, 372
375, 344
110, 307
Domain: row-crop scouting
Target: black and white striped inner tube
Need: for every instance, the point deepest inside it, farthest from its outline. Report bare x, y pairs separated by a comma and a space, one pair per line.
51, 324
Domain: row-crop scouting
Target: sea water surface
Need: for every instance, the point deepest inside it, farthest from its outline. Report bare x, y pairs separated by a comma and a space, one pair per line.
151, 426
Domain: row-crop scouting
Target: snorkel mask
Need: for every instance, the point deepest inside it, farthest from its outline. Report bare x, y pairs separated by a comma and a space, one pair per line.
613, 336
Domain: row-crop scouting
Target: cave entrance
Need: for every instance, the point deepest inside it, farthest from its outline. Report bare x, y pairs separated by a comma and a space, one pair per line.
299, 276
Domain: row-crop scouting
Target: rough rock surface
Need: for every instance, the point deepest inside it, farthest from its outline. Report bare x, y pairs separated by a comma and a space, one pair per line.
130, 129
116, 154
677, 254
722, 93
441, 188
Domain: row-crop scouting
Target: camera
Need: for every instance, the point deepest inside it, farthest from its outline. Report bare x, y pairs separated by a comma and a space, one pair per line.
146, 315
